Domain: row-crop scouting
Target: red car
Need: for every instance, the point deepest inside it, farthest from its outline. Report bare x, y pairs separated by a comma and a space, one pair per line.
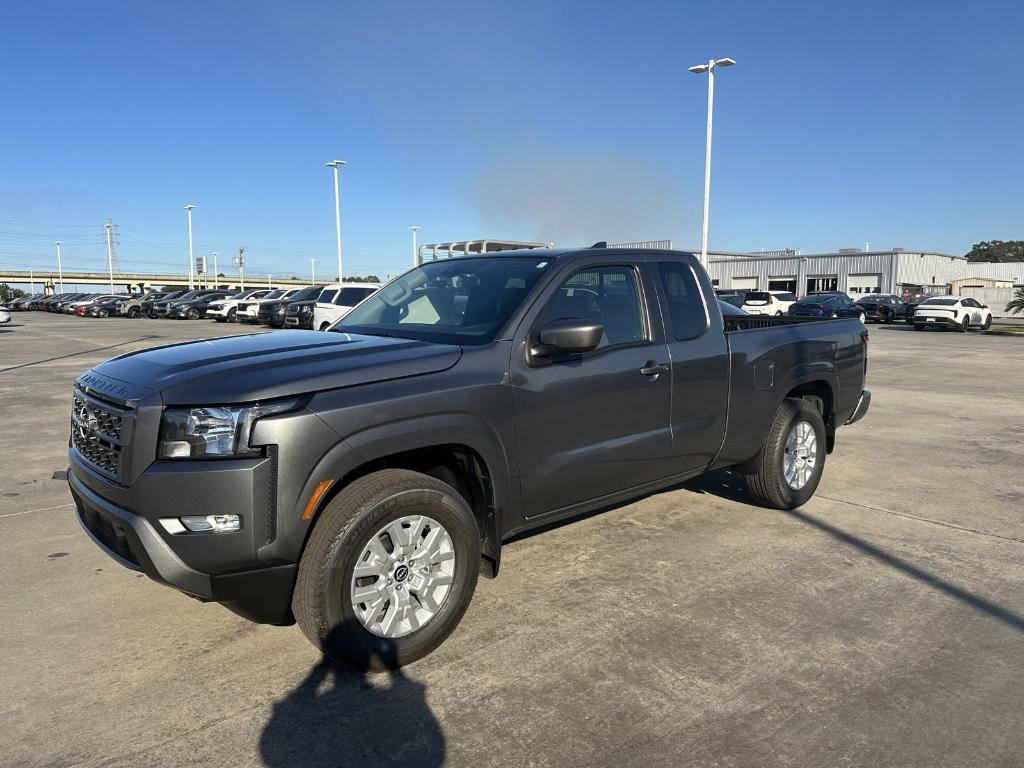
80, 311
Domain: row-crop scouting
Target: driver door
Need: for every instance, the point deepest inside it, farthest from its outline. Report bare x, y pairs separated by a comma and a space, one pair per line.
589, 425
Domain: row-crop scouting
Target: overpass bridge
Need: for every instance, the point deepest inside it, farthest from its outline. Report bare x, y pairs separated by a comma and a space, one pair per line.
128, 282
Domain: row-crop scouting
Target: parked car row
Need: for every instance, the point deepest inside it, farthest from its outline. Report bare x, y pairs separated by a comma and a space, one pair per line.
956, 312
315, 306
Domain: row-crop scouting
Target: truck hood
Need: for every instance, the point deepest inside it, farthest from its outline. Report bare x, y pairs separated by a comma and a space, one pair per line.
261, 366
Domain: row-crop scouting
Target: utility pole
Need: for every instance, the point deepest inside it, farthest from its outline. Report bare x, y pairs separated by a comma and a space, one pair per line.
110, 252
60, 270
312, 271
188, 211
710, 69
415, 253
336, 164
32, 282
239, 261
216, 274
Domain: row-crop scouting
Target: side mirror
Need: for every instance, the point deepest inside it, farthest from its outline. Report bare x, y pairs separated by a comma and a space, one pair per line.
570, 336
984, 306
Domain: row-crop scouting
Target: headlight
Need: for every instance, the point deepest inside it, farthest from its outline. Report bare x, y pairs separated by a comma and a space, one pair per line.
211, 432
305, 310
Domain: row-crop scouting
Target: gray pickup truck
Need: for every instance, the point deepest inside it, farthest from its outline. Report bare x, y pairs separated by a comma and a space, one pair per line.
359, 481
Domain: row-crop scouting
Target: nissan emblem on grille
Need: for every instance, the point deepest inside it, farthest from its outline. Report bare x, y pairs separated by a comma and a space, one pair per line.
96, 435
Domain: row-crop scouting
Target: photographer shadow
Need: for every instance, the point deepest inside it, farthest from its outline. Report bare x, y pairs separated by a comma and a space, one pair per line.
336, 717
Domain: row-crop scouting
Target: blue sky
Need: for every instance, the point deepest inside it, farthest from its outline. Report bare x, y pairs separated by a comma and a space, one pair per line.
898, 124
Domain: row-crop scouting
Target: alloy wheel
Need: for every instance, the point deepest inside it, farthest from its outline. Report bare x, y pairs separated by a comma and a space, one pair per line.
402, 576
801, 455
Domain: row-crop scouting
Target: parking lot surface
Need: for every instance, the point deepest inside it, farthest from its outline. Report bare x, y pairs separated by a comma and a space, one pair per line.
881, 624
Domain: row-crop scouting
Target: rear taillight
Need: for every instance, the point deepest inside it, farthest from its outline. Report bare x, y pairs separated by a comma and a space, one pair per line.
954, 313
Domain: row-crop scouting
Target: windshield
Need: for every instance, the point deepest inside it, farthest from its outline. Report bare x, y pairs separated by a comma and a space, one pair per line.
941, 302
457, 301
274, 295
306, 293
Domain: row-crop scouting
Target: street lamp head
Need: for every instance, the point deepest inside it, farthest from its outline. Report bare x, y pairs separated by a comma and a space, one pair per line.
724, 62
699, 69
335, 163
414, 227
188, 207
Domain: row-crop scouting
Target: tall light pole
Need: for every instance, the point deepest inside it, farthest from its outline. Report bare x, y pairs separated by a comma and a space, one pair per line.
415, 254
60, 270
312, 271
216, 274
336, 164
697, 70
109, 226
188, 211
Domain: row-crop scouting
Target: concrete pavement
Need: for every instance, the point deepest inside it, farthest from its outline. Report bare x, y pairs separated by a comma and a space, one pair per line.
881, 624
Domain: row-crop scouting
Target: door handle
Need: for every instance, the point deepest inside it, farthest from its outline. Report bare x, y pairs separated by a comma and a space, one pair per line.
653, 368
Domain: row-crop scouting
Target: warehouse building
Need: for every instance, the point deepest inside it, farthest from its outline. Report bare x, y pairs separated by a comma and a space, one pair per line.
897, 271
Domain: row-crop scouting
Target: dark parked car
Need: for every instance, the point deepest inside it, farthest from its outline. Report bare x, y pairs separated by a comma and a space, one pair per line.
161, 304
272, 312
162, 308
299, 314
827, 304
883, 308
736, 298
359, 480
105, 308
194, 308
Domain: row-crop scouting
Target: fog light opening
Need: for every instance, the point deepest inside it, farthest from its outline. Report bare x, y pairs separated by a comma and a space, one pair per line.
212, 523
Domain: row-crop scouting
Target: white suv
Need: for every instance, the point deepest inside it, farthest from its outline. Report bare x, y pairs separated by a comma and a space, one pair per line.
248, 310
775, 303
224, 310
337, 300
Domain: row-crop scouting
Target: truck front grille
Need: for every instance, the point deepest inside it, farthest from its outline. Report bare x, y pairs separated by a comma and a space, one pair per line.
96, 430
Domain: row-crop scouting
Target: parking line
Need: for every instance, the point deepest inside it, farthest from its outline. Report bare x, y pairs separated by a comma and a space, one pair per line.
30, 511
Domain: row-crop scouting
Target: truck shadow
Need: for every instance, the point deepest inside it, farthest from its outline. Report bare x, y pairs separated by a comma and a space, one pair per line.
729, 485
344, 718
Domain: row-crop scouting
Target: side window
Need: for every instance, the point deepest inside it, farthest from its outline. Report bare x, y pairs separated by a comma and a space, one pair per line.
607, 295
687, 316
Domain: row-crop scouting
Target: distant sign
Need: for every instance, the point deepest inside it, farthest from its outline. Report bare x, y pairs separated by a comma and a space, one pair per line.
200, 265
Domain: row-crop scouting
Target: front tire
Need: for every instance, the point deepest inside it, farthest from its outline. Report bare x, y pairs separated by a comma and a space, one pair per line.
232, 315
324, 326
354, 601
192, 314
134, 312
965, 325
988, 323
792, 459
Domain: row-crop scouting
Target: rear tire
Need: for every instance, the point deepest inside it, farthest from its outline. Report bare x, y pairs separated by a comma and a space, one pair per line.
349, 527
988, 323
134, 312
770, 484
965, 325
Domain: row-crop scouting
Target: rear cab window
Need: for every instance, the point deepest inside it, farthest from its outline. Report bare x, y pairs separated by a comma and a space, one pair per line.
686, 314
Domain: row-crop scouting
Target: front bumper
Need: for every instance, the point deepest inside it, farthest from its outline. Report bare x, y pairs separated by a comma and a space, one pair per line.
211, 567
299, 321
862, 407
215, 312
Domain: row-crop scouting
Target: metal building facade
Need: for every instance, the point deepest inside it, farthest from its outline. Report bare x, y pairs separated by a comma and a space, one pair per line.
855, 273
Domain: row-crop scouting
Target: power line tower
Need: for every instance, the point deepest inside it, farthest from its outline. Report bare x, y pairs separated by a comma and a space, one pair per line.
239, 261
